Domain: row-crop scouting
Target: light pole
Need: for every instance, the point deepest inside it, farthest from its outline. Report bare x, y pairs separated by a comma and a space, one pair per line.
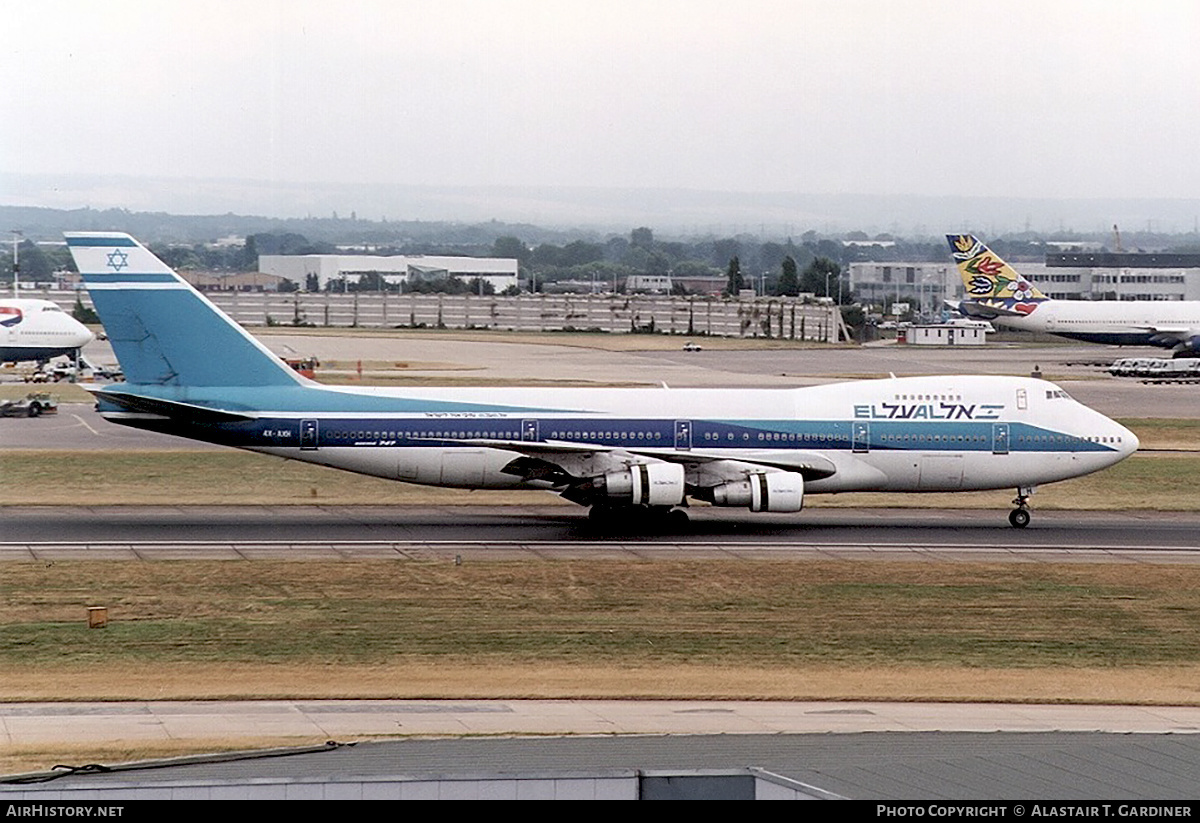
16, 261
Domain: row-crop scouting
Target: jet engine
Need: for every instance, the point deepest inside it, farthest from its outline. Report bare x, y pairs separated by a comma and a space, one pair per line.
763, 492
646, 484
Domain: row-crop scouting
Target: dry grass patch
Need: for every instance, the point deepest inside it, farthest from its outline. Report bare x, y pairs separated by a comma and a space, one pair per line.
426, 679
1159, 433
489, 628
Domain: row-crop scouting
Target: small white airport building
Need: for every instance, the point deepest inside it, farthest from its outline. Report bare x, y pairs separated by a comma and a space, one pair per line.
943, 334
501, 272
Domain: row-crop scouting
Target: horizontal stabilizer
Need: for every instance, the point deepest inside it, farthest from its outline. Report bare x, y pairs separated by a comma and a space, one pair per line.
186, 412
986, 311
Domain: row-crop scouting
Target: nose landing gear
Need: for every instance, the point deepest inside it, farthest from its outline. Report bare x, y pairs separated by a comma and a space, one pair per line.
1018, 518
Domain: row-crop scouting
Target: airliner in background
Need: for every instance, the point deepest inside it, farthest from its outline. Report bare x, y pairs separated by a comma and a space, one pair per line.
38, 330
997, 292
635, 456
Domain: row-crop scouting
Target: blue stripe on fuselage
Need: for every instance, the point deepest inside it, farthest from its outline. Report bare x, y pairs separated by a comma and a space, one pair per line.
441, 427
1117, 338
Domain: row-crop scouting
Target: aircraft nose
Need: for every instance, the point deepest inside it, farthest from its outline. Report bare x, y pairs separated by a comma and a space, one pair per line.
82, 335
1127, 440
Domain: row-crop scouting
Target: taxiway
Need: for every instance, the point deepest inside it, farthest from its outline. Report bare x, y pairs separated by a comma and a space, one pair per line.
496, 532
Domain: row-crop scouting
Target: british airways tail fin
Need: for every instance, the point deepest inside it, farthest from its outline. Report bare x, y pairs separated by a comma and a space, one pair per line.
989, 280
164, 332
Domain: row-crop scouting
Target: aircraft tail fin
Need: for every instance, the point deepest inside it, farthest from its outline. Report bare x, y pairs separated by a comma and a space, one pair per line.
164, 332
987, 279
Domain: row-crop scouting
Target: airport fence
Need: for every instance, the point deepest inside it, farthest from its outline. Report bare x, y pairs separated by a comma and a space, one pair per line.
694, 316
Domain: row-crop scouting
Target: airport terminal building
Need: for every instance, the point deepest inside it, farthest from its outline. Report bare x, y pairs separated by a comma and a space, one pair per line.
1063, 276
1117, 276
500, 272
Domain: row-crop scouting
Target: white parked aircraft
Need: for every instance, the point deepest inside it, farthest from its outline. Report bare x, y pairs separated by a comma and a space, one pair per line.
997, 292
627, 453
38, 330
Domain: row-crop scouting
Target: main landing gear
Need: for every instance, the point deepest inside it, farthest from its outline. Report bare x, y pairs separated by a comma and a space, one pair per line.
638, 518
1018, 518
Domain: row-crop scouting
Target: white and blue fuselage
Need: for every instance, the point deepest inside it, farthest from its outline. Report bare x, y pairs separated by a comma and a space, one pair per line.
32, 329
899, 434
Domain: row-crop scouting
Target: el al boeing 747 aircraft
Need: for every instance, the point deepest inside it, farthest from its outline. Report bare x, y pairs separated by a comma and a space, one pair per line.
38, 330
996, 292
629, 454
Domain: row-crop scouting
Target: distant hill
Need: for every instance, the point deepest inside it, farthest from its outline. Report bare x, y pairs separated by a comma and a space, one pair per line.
537, 214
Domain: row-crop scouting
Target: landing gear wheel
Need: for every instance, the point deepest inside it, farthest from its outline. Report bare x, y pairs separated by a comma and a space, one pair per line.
1019, 517
638, 519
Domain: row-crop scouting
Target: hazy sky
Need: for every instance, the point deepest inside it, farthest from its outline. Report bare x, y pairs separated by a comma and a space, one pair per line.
1047, 98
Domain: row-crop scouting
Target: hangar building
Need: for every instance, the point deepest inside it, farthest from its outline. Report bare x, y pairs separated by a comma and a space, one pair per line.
501, 272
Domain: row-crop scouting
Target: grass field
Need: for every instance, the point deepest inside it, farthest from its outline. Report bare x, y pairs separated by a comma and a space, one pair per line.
598, 628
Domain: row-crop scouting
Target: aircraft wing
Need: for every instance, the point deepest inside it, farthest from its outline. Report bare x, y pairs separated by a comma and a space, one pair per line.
539, 447
1180, 332
542, 455
811, 465
1187, 338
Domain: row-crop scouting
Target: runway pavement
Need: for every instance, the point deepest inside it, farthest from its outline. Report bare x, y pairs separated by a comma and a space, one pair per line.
503, 532
40, 724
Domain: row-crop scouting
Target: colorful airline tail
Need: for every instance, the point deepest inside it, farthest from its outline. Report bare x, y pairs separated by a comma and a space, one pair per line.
990, 281
164, 332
